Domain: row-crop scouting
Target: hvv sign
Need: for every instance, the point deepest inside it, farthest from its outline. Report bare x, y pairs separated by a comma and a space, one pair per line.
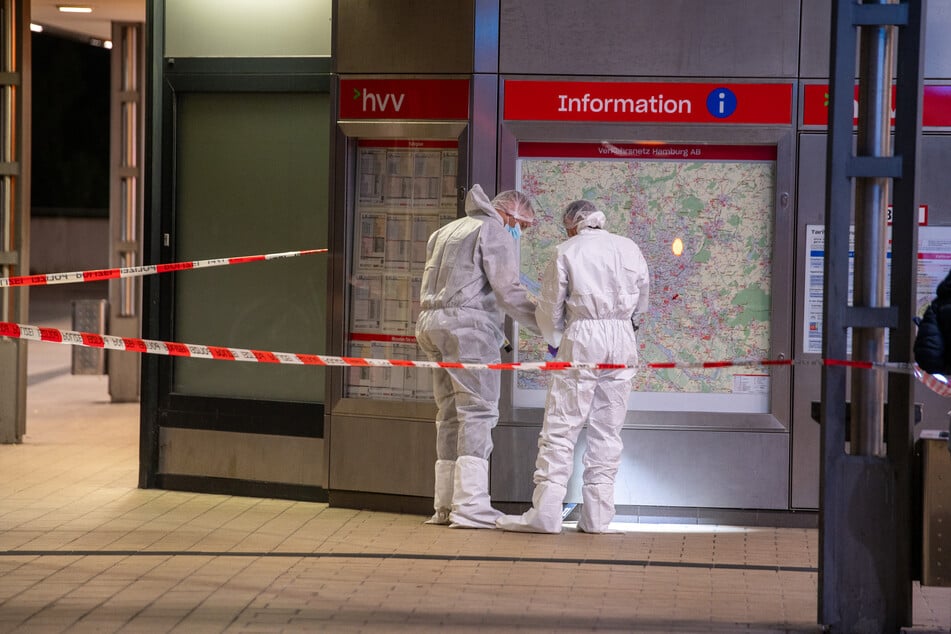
378, 103
427, 99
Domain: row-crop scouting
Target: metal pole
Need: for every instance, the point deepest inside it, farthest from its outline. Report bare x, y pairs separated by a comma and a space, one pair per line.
876, 71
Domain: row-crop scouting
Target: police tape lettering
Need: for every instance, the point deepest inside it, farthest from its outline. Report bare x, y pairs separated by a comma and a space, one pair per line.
138, 271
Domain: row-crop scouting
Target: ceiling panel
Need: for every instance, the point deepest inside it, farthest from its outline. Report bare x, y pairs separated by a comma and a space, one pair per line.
95, 25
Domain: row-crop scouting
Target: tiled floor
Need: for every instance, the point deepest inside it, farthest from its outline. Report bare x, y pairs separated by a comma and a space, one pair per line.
83, 550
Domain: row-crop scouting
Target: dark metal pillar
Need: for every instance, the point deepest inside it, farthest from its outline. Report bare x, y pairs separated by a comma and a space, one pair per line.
866, 490
14, 207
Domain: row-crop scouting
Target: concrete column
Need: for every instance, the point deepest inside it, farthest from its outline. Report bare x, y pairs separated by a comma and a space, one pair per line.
126, 203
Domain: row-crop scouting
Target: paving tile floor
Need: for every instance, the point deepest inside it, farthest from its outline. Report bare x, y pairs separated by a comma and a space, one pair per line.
82, 549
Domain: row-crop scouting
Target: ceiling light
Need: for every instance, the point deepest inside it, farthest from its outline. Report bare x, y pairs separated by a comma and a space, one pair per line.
36, 28
72, 8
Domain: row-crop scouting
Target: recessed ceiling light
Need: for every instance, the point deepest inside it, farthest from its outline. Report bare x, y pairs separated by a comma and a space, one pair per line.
72, 8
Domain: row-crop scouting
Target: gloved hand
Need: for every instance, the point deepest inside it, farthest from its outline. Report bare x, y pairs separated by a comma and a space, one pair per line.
553, 352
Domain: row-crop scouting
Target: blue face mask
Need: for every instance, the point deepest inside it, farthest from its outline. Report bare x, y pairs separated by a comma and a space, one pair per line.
515, 232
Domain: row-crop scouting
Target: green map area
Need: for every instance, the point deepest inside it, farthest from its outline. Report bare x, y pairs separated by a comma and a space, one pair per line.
710, 303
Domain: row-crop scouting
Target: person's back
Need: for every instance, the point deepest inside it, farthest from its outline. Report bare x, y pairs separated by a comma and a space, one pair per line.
453, 275
471, 276
608, 280
932, 349
471, 264
597, 282
932, 352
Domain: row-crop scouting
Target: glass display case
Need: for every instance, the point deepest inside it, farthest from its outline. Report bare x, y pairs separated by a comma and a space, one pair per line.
405, 190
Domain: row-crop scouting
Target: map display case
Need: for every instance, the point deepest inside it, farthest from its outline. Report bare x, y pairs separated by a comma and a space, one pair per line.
700, 176
703, 216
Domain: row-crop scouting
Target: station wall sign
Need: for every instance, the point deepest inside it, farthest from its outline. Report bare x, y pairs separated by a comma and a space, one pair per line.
648, 102
935, 106
417, 99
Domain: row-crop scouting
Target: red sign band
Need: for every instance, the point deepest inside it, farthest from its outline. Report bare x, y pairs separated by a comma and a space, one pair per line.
655, 102
428, 99
935, 107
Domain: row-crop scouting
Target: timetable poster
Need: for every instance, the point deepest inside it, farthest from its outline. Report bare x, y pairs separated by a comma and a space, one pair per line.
934, 262
406, 189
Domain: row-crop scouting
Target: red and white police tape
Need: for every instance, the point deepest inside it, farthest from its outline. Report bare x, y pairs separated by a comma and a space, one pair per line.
937, 383
168, 348
96, 275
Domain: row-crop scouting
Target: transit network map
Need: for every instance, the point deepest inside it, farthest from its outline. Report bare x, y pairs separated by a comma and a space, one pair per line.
709, 303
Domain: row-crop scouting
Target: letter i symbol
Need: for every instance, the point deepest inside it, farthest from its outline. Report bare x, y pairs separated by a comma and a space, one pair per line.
721, 102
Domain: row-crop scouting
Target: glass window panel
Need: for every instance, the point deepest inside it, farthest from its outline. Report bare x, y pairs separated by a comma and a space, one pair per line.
247, 28
252, 178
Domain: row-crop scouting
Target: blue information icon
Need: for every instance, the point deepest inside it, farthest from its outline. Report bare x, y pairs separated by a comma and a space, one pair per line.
721, 103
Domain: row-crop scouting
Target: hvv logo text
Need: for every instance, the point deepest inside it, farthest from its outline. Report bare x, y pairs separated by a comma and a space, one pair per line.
373, 102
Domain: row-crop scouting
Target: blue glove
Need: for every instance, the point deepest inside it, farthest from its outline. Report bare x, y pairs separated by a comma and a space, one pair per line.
553, 352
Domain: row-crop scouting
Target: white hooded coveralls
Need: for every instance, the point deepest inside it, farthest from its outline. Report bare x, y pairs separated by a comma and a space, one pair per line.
471, 276
590, 291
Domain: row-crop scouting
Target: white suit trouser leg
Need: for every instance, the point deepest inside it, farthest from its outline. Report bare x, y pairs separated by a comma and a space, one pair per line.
471, 507
467, 403
475, 397
442, 494
564, 418
603, 455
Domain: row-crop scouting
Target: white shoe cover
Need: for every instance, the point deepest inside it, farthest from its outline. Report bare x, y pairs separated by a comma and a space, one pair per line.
442, 494
606, 531
597, 508
471, 507
545, 514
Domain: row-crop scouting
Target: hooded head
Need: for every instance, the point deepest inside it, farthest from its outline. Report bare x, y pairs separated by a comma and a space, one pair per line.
944, 288
582, 213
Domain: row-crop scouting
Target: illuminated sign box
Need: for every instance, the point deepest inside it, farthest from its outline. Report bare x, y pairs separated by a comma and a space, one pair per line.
648, 102
425, 99
935, 107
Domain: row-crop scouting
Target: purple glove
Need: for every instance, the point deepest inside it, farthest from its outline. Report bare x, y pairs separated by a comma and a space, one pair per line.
553, 352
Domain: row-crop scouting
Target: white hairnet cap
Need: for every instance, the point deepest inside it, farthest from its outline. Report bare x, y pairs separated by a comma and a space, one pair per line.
511, 202
583, 213
515, 204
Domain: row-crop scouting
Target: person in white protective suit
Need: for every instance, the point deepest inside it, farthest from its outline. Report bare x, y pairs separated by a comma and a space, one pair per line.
471, 276
590, 293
